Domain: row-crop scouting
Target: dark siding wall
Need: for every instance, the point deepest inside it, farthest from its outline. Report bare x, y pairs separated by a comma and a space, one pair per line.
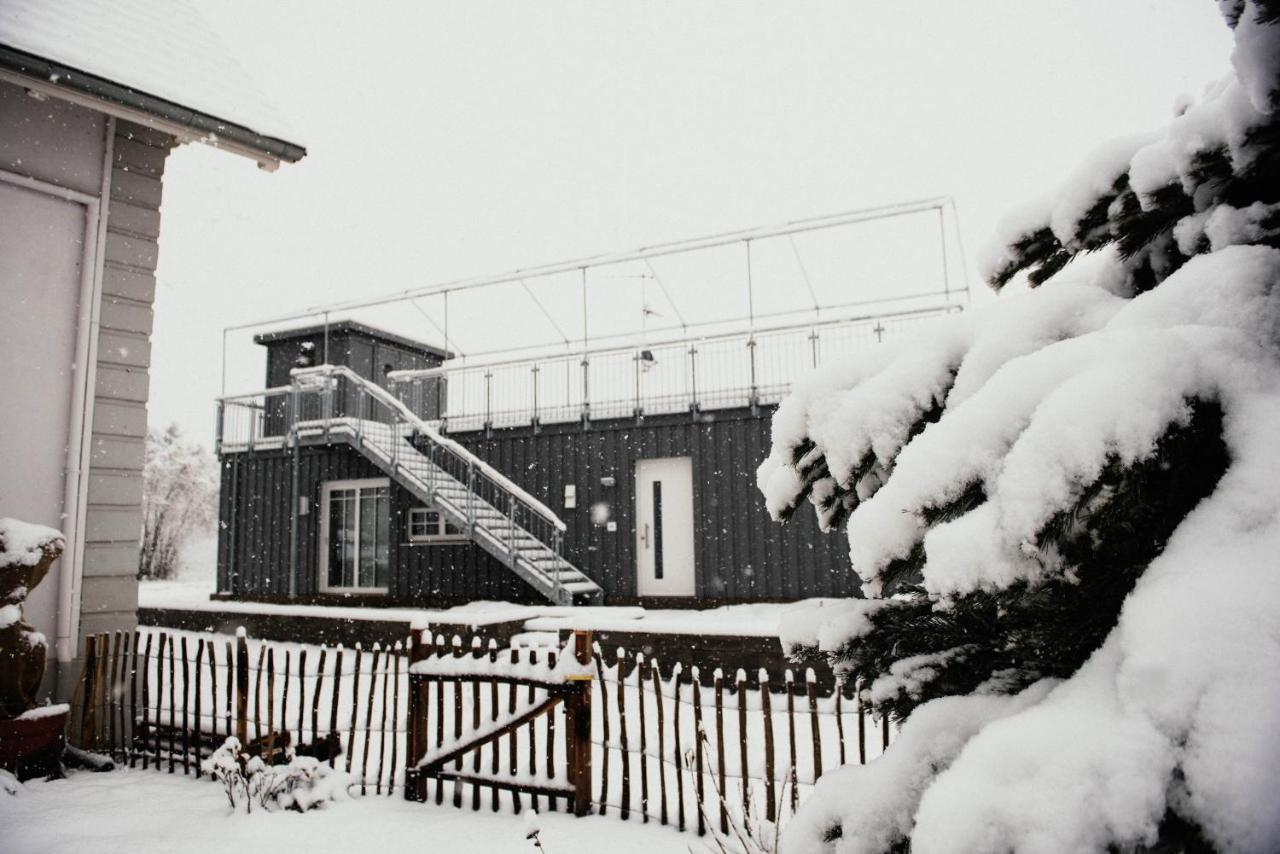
740, 554
253, 541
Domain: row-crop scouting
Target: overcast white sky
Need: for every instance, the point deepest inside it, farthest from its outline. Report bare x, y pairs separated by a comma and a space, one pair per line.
451, 139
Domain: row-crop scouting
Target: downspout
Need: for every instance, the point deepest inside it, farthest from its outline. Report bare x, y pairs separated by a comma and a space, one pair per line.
76, 492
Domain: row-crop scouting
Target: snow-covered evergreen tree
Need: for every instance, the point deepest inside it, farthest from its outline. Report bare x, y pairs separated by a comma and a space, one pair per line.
1065, 509
179, 499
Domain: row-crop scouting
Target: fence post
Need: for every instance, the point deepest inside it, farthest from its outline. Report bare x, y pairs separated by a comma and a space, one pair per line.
242, 686
89, 684
578, 724
415, 785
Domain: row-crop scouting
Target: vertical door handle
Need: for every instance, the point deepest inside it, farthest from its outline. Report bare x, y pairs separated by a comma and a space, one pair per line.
646, 535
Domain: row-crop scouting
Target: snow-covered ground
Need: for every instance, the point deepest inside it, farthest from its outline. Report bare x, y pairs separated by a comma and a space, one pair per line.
196, 582
139, 812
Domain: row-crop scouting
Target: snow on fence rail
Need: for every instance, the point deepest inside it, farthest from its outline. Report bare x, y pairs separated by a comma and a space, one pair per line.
461, 721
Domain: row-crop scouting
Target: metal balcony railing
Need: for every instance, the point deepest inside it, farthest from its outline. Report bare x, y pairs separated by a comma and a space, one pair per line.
689, 374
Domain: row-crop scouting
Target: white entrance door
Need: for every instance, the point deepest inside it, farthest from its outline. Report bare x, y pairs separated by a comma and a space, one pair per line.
664, 527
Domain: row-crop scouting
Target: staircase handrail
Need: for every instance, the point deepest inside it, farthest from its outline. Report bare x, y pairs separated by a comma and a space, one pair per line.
424, 428
249, 395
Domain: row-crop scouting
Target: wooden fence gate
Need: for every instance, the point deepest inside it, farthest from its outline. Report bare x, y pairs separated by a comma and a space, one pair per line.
445, 683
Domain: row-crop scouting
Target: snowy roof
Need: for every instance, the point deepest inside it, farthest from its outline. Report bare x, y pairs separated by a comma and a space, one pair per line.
344, 326
160, 58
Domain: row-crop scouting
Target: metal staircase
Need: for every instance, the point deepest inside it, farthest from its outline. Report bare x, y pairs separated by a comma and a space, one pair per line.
331, 403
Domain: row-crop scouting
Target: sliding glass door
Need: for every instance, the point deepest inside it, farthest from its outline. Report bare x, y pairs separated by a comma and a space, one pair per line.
355, 537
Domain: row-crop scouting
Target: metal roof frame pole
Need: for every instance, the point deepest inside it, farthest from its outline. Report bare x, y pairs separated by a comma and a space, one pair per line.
754, 397
217, 428
534, 370
674, 248
488, 403
326, 339
693, 380
586, 361
224, 361
636, 410
942, 239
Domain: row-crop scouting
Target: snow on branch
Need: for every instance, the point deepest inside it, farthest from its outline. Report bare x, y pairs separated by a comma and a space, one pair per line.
1065, 511
1133, 192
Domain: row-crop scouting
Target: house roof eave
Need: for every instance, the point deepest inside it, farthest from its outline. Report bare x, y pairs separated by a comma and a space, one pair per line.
56, 79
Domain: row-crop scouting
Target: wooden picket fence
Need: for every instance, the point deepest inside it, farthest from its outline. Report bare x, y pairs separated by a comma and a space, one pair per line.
167, 699
558, 724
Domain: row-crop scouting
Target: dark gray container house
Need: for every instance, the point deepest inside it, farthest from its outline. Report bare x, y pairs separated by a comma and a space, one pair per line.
339, 484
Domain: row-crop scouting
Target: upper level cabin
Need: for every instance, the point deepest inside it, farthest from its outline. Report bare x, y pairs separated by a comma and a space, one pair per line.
370, 352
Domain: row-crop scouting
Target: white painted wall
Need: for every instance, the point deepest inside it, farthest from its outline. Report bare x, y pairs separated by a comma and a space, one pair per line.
38, 333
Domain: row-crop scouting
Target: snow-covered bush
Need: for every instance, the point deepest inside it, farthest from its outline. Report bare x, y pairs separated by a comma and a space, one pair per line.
179, 499
303, 784
1065, 509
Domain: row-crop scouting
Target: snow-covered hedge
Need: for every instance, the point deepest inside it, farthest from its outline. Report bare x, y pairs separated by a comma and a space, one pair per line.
1065, 510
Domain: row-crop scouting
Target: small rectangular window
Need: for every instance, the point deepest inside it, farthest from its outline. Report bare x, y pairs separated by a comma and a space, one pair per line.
430, 526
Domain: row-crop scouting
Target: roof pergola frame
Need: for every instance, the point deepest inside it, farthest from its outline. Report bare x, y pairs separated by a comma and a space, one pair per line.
645, 255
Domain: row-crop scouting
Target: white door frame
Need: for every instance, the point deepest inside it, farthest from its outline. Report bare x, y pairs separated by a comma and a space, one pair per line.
668, 537
325, 491
79, 446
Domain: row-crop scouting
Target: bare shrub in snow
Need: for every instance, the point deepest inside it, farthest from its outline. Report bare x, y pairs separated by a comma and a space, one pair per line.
304, 783
749, 832
179, 499
1065, 510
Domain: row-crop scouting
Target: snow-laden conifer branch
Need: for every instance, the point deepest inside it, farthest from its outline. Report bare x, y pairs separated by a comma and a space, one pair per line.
1065, 509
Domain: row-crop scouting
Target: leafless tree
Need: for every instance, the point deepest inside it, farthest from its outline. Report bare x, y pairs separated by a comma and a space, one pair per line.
179, 499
